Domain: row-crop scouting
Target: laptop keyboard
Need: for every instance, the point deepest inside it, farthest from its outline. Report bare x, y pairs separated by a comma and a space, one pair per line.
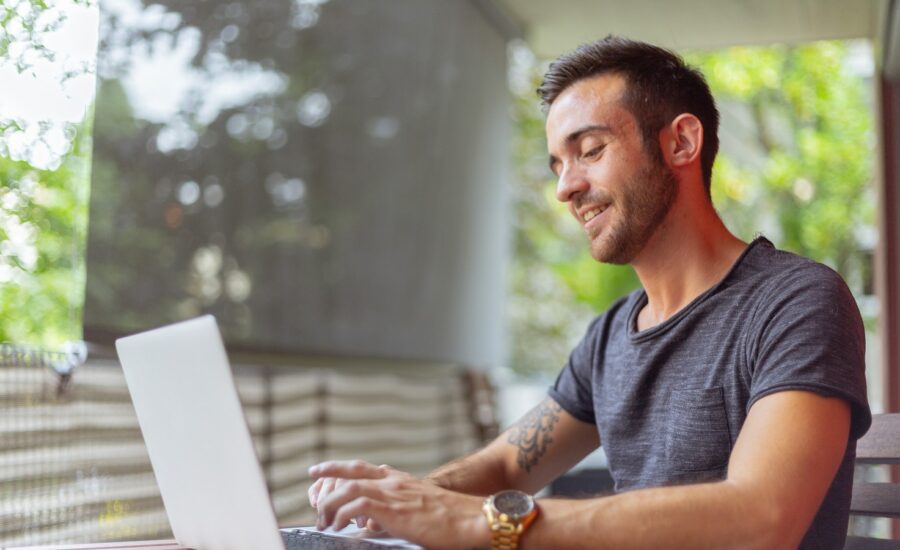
298, 539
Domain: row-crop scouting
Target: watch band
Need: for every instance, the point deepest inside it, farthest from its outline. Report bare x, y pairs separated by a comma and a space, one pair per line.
504, 537
506, 530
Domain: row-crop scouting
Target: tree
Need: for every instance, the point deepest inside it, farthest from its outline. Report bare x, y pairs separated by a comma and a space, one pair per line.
806, 160
44, 167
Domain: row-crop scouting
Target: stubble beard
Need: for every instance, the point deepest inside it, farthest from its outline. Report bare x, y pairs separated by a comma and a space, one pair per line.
641, 209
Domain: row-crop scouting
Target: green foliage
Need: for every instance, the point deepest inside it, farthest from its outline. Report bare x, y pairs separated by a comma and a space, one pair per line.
807, 182
43, 212
795, 164
23, 26
42, 226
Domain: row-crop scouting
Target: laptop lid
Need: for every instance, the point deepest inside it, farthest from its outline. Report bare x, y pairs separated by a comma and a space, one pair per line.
197, 437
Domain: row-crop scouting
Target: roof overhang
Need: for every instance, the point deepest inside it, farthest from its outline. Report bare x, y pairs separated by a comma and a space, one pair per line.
554, 27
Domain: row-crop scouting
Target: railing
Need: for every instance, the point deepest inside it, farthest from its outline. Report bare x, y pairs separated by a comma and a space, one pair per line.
73, 466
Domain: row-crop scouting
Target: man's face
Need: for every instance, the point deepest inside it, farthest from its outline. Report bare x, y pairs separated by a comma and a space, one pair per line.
618, 192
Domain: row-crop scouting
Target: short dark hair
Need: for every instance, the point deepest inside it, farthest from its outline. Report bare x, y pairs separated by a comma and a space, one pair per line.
659, 87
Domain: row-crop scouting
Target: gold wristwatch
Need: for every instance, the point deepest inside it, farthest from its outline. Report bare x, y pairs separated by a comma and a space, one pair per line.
509, 513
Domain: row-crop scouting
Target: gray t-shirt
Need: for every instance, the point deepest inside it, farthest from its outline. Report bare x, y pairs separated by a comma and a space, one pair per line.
670, 401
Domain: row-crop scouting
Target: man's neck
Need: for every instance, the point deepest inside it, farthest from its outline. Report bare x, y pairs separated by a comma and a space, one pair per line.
689, 253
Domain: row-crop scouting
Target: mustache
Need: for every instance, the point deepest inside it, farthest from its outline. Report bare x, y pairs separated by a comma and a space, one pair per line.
592, 198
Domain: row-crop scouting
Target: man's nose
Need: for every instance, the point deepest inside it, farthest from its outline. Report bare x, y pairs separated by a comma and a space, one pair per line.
571, 182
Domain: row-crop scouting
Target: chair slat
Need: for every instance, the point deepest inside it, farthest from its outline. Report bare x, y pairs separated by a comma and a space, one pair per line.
876, 499
866, 543
881, 444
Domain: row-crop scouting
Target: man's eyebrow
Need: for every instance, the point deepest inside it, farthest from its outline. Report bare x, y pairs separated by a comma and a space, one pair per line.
574, 136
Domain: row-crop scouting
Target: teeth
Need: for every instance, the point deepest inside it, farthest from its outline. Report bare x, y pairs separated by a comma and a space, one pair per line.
591, 214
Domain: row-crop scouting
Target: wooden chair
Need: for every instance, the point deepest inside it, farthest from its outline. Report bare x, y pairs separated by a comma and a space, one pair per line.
880, 445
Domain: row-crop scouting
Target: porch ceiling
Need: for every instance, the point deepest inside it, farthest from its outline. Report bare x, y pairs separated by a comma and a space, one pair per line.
553, 27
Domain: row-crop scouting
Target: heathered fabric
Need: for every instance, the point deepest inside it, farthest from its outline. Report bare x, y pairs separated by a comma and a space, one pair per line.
669, 401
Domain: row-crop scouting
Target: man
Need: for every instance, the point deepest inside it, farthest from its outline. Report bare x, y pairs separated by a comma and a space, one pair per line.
728, 393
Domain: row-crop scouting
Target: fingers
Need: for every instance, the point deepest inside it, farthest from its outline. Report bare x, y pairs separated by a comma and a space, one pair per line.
348, 469
364, 522
333, 479
329, 484
358, 506
348, 492
373, 526
313, 492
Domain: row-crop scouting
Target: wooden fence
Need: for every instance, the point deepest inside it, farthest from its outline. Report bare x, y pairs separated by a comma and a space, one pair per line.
73, 466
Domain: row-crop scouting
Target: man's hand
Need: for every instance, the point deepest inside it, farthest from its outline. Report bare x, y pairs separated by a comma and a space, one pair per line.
324, 486
406, 507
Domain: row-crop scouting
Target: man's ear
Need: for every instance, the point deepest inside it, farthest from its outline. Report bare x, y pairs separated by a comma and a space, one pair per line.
683, 140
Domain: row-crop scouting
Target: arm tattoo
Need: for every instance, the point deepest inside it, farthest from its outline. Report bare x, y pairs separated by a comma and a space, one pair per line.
532, 434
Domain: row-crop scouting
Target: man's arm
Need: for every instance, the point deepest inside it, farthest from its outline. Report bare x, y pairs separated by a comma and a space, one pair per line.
542, 445
785, 459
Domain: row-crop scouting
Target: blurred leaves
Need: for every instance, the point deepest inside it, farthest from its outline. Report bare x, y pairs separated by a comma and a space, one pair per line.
809, 159
42, 225
43, 212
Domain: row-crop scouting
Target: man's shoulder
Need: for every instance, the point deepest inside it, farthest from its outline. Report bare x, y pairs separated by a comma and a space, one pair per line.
782, 273
800, 297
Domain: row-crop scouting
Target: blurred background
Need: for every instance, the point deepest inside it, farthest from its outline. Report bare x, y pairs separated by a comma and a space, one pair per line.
359, 192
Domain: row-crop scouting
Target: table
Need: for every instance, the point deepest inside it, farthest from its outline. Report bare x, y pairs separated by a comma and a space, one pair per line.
130, 545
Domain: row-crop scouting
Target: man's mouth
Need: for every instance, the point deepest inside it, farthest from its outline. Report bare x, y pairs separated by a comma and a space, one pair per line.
593, 213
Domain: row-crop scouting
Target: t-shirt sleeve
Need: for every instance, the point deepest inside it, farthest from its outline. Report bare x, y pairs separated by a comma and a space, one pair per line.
573, 387
809, 336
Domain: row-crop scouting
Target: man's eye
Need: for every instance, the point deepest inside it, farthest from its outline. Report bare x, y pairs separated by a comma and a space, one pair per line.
593, 152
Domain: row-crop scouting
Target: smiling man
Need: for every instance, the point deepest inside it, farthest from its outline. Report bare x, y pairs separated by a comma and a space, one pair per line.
728, 392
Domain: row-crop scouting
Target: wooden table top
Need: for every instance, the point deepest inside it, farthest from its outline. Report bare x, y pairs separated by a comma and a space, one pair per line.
130, 545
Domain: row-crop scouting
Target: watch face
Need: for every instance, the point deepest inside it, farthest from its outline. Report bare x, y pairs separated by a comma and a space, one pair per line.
514, 504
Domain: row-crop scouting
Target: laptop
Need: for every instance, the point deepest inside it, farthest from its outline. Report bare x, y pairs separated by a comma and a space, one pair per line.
211, 483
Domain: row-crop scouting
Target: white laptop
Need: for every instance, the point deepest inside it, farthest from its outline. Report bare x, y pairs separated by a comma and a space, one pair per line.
209, 477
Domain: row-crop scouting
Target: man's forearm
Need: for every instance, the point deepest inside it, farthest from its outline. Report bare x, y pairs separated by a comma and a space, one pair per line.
778, 475
694, 516
522, 457
480, 473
